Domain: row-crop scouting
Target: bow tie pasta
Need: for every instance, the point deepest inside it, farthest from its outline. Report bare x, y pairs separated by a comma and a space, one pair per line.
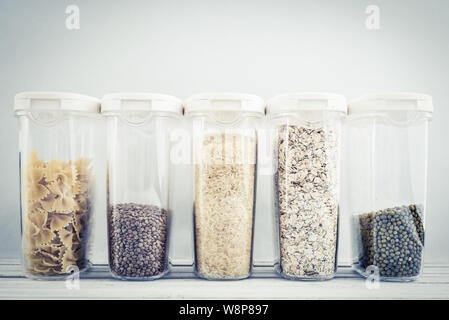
56, 214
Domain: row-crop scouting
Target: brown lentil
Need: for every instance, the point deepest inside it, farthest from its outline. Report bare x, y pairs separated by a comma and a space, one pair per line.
137, 240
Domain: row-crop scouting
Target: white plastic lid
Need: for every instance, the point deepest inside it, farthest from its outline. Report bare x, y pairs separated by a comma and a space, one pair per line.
395, 101
50, 101
116, 102
210, 102
306, 101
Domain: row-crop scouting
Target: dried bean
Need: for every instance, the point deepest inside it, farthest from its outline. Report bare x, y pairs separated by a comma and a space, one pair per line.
392, 240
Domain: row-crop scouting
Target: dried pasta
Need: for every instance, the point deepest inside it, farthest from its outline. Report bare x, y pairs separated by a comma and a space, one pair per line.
56, 214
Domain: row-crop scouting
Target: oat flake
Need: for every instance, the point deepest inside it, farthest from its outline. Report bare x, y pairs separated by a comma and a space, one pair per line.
307, 187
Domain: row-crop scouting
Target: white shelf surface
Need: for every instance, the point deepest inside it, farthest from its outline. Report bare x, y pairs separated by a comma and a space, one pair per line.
97, 284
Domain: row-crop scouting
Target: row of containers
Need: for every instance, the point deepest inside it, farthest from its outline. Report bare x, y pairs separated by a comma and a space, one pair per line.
387, 143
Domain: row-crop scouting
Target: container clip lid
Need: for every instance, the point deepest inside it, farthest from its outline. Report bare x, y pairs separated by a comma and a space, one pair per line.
55, 101
396, 101
224, 102
306, 101
140, 102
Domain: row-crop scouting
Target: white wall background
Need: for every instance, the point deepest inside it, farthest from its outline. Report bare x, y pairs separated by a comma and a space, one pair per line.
261, 47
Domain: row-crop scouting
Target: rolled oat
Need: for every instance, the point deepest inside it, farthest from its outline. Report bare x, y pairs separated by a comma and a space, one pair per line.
307, 200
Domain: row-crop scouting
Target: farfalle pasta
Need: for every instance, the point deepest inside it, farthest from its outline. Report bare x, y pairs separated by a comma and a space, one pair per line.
56, 214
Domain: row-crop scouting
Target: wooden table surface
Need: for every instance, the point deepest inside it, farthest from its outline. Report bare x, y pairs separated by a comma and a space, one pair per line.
98, 284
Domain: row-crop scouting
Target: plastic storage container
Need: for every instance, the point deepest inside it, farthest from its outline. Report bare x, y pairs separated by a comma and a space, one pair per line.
307, 155
387, 164
225, 148
56, 134
138, 125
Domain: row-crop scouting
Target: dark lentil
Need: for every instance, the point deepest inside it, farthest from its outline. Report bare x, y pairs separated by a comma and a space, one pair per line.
393, 240
137, 240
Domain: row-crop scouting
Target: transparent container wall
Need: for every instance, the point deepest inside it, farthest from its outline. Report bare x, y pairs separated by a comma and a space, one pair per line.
387, 166
138, 195
57, 188
307, 156
224, 178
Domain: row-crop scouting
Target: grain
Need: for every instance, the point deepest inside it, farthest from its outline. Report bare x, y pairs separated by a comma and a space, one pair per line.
307, 200
137, 240
224, 205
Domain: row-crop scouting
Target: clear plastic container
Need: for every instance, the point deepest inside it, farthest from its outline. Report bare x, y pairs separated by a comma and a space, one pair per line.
307, 160
387, 165
56, 134
225, 148
138, 172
